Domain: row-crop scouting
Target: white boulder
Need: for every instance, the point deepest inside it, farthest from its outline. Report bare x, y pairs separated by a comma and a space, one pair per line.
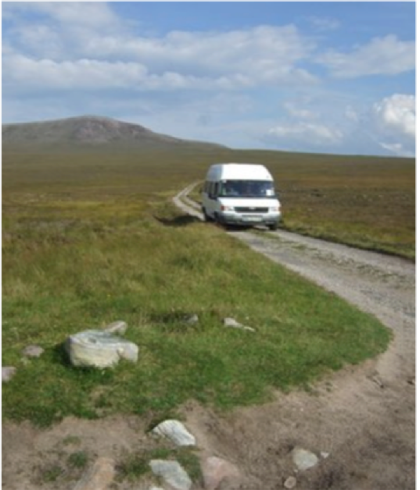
100, 349
172, 472
176, 432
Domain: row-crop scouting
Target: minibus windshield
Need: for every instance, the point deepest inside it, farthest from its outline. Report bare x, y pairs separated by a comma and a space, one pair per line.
247, 188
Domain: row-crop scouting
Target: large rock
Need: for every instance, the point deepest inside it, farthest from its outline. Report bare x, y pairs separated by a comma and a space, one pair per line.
176, 432
172, 472
100, 349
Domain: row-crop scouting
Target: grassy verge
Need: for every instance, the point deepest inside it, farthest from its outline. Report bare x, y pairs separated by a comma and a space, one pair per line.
85, 256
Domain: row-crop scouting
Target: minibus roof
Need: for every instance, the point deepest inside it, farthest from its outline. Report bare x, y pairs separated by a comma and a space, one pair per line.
238, 171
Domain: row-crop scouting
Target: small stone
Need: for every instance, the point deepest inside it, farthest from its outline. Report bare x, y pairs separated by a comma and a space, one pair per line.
290, 482
192, 320
176, 432
324, 454
118, 327
232, 323
7, 373
304, 459
250, 329
172, 472
33, 351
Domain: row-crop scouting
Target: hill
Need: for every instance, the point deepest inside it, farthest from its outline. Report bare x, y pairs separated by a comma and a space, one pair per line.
93, 132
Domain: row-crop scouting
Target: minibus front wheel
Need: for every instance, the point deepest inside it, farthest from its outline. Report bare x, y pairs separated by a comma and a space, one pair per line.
218, 220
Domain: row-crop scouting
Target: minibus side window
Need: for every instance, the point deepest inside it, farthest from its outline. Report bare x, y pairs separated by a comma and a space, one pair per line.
208, 188
213, 190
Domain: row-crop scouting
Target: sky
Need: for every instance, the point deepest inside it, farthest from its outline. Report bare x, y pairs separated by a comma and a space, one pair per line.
322, 77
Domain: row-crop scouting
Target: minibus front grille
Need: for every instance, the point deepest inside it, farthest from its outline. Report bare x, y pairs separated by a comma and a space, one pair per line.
251, 209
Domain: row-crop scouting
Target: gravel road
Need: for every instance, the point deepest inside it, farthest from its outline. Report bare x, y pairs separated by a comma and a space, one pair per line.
375, 402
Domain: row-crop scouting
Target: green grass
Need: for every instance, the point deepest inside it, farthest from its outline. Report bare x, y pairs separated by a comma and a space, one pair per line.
81, 252
59, 467
78, 459
152, 277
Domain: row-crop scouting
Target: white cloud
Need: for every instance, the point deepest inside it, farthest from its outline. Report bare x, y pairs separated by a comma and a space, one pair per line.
263, 54
397, 114
394, 123
386, 127
91, 74
382, 56
298, 112
68, 33
40, 35
91, 14
55, 29
83, 73
396, 149
302, 132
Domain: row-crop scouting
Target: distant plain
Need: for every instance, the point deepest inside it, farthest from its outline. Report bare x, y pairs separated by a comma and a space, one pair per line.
368, 202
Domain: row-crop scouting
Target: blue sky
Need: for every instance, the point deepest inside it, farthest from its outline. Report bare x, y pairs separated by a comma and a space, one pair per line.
325, 77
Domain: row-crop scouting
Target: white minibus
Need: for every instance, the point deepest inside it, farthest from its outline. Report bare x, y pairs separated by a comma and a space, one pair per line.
240, 194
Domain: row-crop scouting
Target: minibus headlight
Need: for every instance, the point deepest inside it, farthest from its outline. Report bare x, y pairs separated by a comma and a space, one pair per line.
275, 209
228, 208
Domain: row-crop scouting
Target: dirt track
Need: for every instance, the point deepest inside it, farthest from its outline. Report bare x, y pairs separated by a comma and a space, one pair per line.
361, 419
364, 417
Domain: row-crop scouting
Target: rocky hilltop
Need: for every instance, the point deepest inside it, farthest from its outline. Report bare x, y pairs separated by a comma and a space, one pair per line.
91, 131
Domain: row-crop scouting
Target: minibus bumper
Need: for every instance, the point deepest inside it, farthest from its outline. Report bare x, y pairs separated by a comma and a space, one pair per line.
237, 219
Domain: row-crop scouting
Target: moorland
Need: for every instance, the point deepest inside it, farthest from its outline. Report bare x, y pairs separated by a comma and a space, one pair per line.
90, 236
